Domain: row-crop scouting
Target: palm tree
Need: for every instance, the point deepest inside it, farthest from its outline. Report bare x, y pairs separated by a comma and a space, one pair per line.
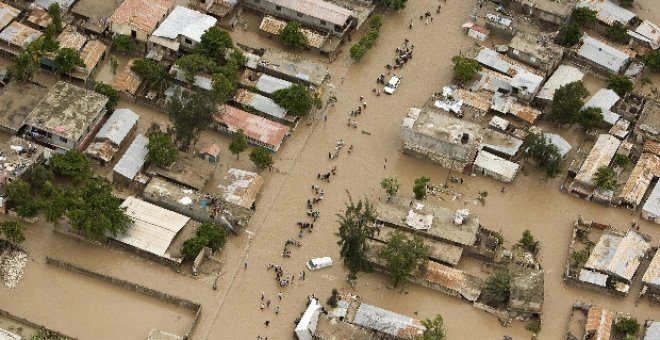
604, 178
496, 290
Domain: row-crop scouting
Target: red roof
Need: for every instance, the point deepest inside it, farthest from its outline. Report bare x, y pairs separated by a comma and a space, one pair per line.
255, 127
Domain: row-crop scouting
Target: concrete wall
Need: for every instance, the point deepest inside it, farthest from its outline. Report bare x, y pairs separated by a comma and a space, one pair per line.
546, 19
140, 36
309, 21
458, 152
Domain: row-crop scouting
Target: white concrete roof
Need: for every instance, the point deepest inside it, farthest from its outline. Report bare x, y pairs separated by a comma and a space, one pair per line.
649, 32
604, 99
153, 227
186, 22
602, 54
563, 75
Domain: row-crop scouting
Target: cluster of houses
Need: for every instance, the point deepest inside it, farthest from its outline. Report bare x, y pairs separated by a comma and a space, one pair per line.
588, 321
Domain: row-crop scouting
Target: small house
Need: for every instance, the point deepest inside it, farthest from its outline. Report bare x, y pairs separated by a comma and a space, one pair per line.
17, 101
226, 11
263, 105
92, 54
601, 155
605, 100
601, 57
475, 31
645, 171
138, 19
599, 323
18, 157
607, 12
535, 50
564, 75
651, 208
15, 37
209, 152
648, 125
240, 188
181, 30
651, 278
188, 170
491, 165
274, 27
126, 171
258, 130
126, 81
112, 135
7, 15
387, 323
527, 290
646, 34
290, 67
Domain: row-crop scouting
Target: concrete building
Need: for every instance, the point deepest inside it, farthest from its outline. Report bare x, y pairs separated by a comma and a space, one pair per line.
564, 74
209, 152
646, 34
605, 100
112, 135
499, 168
291, 67
17, 101
503, 64
127, 171
16, 36
446, 140
180, 31
601, 155
535, 50
258, 130
648, 125
138, 19
607, 12
92, 16
66, 116
240, 189
19, 156
188, 170
601, 57
547, 13
527, 291
318, 14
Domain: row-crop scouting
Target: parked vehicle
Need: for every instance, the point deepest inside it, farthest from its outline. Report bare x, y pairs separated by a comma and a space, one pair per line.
391, 85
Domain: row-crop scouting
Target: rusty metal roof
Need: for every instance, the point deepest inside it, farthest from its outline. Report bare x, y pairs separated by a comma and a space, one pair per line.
652, 275
126, 80
599, 322
39, 17
143, 15
479, 100
452, 279
319, 9
71, 39
601, 155
92, 53
18, 34
524, 112
640, 178
258, 129
652, 147
240, 187
209, 149
275, 26
7, 14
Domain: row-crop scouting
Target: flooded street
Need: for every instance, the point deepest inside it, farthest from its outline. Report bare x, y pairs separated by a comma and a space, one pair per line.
86, 309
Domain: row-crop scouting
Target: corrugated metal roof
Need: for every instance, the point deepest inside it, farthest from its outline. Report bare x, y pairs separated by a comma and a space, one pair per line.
71, 39
256, 128
617, 255
64, 4
652, 330
293, 66
499, 122
652, 274
186, 22
126, 80
134, 158
603, 253
525, 112
319, 9
387, 322
602, 54
19, 35
620, 128
143, 15
7, 14
601, 155
101, 150
594, 278
479, 100
270, 84
599, 321
39, 17
647, 168
452, 279
200, 81
92, 53
275, 26
527, 83
153, 228
506, 170
604, 99
240, 187
559, 141
563, 75
504, 64
259, 103
652, 204
118, 126
607, 11
650, 32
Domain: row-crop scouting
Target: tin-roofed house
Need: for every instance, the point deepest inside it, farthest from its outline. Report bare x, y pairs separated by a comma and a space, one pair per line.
651, 208
112, 135
138, 19
601, 57
646, 170
126, 81
69, 38
15, 37
226, 11
66, 116
535, 50
651, 278
263, 105
599, 323
387, 324
209, 152
607, 12
491, 165
7, 14
547, 13
258, 130
268, 84
605, 100
564, 75
651, 330
17, 101
600, 155
127, 171
92, 54
180, 31
646, 34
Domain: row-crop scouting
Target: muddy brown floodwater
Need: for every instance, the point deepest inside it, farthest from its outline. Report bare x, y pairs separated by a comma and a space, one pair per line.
87, 309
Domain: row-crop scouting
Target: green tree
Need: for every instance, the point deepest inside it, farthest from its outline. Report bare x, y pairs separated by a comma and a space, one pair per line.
19, 198
617, 32
333, 300
604, 178
391, 4
568, 36
44, 334
567, 102
584, 16
192, 246
66, 60
497, 288
419, 189
190, 114
391, 186
404, 256
292, 35
13, 231
652, 60
95, 212
621, 161
48, 41
627, 326
528, 242
590, 118
434, 329
57, 204
192, 64
214, 233
579, 258
108, 91
213, 43
222, 87
56, 15
534, 326
261, 157
114, 64
26, 63
161, 150
123, 43
465, 69
626, 3
41, 180
620, 84
357, 51
544, 153
356, 224
72, 164
296, 99
238, 143
153, 74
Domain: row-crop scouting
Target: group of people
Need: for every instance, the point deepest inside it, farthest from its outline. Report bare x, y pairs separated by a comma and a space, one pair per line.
403, 55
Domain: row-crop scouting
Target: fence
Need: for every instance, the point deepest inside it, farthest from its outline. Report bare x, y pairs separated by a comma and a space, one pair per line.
29, 323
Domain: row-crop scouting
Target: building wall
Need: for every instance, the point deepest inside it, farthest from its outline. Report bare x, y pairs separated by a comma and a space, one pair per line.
458, 152
486, 172
547, 20
140, 36
270, 8
59, 141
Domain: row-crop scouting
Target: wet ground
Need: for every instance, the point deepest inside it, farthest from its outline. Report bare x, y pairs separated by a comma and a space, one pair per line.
233, 311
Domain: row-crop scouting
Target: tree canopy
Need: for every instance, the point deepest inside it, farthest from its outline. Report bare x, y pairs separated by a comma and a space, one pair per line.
617, 32
161, 150
192, 64
465, 69
391, 186
544, 153
13, 231
108, 91
626, 3
123, 43
620, 84
497, 288
419, 188
208, 234
296, 99
214, 43
590, 118
404, 256
627, 326
292, 35
435, 329
528, 243
73, 164
238, 143
604, 178
568, 36
190, 114
261, 157
652, 60
355, 226
55, 13
584, 16
391, 4
567, 102
67, 59
152, 73
359, 49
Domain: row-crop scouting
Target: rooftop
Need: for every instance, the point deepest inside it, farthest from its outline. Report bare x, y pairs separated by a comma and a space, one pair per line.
563, 75
599, 323
525, 112
440, 251
17, 101
442, 225
504, 64
648, 32
527, 290
260, 103
294, 66
188, 170
275, 26
39, 17
499, 142
647, 168
618, 255
70, 38
608, 12
18, 34
602, 54
270, 84
201, 81
560, 8
7, 14
126, 80
64, 4
240, 187
384, 321
507, 170
443, 128
118, 126
652, 204
255, 127
92, 53
17, 155
652, 274
143, 15
103, 151
134, 158
467, 286
601, 155
652, 331
605, 99
320, 9
96, 13
649, 120
67, 110
533, 45
186, 22
153, 228
559, 141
